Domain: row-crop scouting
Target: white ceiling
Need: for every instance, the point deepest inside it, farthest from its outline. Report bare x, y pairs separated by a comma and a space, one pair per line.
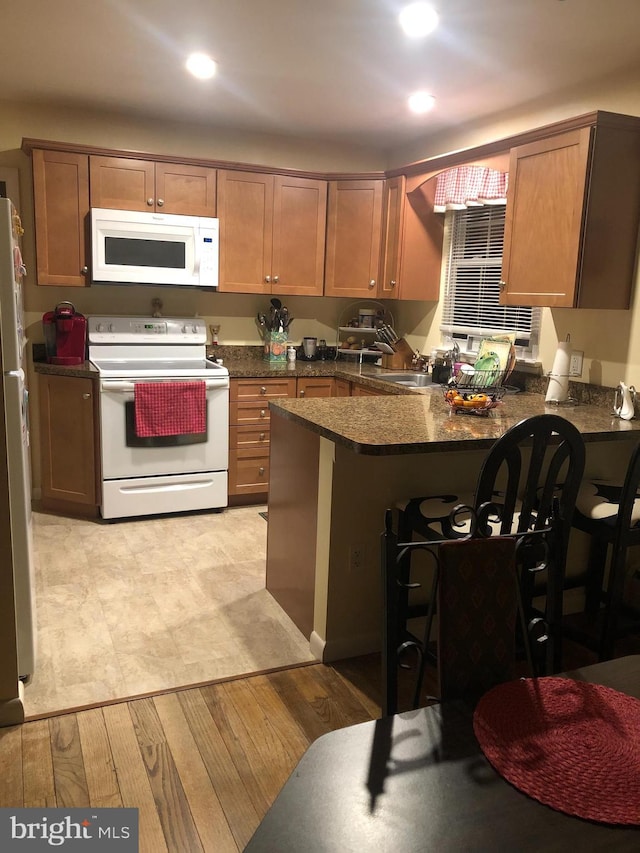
333, 69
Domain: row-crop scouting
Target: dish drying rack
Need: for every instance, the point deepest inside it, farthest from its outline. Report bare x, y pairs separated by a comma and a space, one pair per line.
476, 392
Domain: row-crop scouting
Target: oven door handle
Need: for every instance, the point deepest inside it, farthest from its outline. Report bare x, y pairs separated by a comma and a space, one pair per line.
128, 387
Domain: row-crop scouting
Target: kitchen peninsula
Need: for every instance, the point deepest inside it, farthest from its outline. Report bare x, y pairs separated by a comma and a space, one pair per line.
337, 464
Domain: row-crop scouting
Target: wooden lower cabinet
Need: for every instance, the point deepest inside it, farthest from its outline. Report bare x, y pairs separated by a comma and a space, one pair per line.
362, 391
343, 388
316, 386
249, 432
69, 443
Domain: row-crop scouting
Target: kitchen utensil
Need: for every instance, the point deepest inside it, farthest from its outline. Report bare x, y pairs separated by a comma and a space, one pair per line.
276, 302
383, 347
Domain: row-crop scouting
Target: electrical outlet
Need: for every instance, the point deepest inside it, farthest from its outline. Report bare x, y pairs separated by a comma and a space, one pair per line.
575, 363
356, 557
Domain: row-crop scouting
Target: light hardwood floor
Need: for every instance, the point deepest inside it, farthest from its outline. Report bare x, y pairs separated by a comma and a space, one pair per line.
134, 607
201, 765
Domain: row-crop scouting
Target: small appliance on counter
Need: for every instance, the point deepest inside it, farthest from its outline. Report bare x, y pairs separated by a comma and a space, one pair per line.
65, 334
309, 349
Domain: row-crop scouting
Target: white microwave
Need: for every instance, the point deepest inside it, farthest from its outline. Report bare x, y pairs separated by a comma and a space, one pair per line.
131, 247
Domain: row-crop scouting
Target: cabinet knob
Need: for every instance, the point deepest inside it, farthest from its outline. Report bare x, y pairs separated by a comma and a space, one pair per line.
503, 284
86, 396
392, 283
267, 279
150, 202
263, 414
263, 389
160, 202
84, 270
301, 392
372, 283
262, 436
276, 279
261, 471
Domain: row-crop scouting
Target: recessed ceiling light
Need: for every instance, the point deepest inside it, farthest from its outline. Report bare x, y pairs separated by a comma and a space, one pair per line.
418, 19
201, 66
421, 102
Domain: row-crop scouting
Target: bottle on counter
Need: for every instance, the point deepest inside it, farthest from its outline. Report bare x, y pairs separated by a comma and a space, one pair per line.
291, 355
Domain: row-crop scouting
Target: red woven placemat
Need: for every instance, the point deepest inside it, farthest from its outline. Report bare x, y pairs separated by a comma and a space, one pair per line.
571, 745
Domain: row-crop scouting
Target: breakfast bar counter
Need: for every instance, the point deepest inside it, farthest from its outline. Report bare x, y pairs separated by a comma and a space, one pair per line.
338, 463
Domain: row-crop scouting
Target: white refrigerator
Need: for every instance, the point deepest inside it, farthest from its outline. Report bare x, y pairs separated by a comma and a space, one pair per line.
16, 548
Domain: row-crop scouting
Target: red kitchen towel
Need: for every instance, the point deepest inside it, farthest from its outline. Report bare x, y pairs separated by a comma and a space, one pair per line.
170, 408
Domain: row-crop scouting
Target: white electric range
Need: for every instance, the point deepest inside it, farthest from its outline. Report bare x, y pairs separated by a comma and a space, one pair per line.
158, 474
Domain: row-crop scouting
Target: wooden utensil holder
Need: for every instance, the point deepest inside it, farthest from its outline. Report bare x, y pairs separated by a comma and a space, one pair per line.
402, 358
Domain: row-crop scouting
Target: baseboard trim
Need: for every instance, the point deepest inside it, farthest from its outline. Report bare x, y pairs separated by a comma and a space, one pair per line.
328, 651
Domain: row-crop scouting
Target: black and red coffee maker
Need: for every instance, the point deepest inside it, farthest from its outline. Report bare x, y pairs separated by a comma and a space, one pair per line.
65, 334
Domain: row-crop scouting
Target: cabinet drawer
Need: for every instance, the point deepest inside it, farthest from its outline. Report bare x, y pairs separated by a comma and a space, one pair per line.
261, 389
248, 475
249, 440
249, 412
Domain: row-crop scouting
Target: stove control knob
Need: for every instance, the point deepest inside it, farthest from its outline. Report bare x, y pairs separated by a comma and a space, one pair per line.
111, 329
194, 329
99, 327
184, 330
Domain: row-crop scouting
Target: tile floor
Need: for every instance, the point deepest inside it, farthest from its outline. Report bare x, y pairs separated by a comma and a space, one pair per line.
137, 606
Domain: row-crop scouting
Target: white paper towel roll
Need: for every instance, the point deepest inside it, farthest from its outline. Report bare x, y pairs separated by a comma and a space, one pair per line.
558, 389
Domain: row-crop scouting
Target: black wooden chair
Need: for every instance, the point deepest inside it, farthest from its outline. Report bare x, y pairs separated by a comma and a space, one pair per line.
610, 513
482, 636
531, 476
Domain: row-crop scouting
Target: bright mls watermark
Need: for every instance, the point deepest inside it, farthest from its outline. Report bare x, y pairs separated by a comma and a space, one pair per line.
86, 830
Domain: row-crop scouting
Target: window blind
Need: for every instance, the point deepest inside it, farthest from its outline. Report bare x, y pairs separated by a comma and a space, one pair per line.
474, 241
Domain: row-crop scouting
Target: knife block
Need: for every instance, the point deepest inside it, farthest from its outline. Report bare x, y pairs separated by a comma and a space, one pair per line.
402, 358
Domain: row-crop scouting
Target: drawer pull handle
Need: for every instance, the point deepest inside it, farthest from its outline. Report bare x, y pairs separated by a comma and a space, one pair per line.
262, 435
263, 389
302, 392
261, 472
263, 413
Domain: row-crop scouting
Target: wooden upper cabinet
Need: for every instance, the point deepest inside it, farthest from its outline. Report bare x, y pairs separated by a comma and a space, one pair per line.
123, 183
573, 210
245, 210
412, 242
272, 233
61, 203
354, 226
299, 234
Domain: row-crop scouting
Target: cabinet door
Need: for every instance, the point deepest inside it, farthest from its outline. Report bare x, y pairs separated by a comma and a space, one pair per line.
122, 183
68, 444
188, 190
299, 229
361, 391
343, 388
421, 239
543, 226
393, 211
245, 209
354, 227
316, 386
61, 202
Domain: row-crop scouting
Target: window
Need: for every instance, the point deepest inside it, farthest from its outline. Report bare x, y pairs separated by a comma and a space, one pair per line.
474, 240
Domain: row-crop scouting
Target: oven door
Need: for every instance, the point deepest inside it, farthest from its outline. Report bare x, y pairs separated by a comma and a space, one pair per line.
124, 455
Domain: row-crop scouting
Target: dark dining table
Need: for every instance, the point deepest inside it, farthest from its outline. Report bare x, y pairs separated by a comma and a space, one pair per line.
418, 781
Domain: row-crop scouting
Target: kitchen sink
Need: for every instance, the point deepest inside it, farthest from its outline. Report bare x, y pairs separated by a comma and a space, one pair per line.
410, 380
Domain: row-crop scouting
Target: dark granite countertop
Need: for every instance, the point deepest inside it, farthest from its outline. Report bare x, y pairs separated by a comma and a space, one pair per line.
406, 420
423, 423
